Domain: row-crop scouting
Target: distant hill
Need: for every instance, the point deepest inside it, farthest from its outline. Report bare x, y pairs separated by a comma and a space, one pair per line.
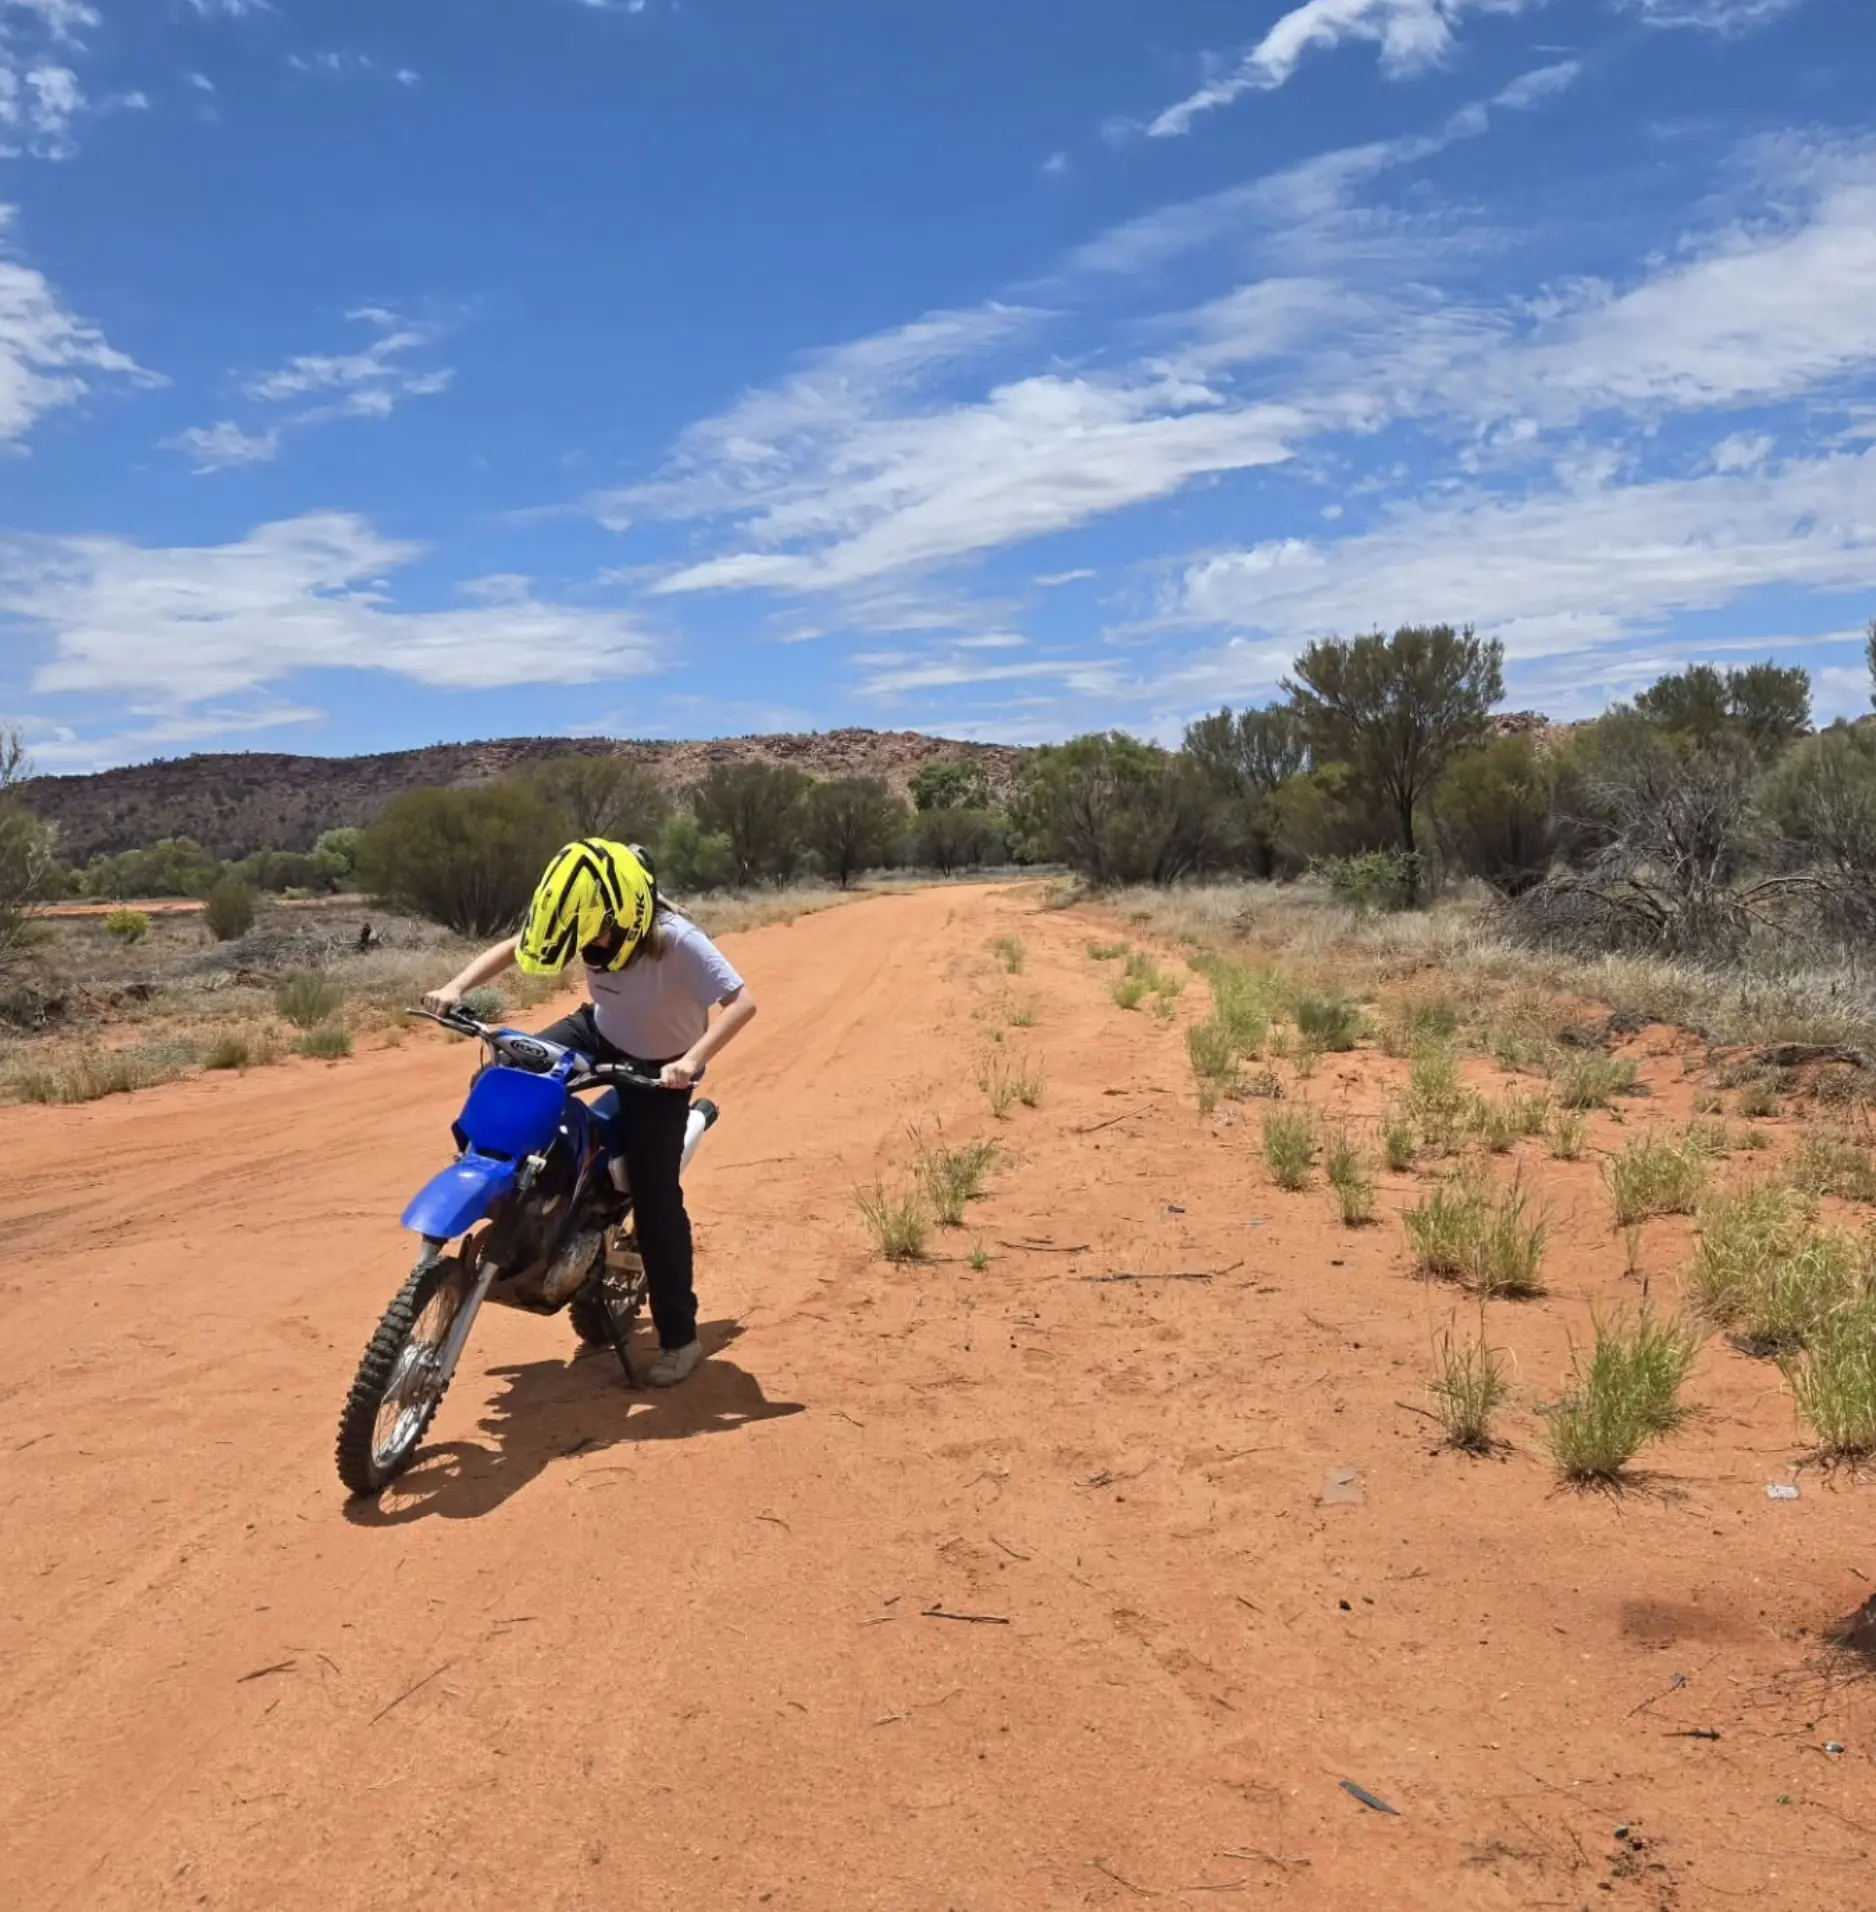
238, 802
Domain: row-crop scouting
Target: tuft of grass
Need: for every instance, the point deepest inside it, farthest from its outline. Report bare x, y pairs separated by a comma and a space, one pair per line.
1435, 1099
951, 1177
1304, 1059
1351, 1182
1331, 1024
1566, 1134
1020, 1015
1624, 1395
1709, 1102
1106, 952
238, 1049
1744, 1233
1469, 1386
486, 1004
979, 1257
128, 926
996, 1076
1130, 991
1399, 1143
1489, 1241
309, 998
1290, 1147
1654, 1176
1825, 1163
89, 1075
1493, 1124
1419, 1021
1759, 1099
1214, 1059
1010, 953
1264, 1084
1027, 1082
1834, 1383
328, 1043
1792, 1302
896, 1220
1244, 1001
1593, 1082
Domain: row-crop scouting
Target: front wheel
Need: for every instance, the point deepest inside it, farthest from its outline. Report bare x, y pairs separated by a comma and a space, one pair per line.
400, 1383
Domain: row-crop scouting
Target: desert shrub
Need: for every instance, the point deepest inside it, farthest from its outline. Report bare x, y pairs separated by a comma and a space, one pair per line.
951, 1177
1592, 1082
1370, 880
468, 859
1468, 1388
1790, 1302
1497, 814
171, 866
1289, 1146
228, 909
1744, 1233
1331, 1023
128, 926
90, 1074
1009, 951
948, 839
486, 1003
896, 1220
1027, 1082
1244, 1000
1351, 1182
1117, 810
1106, 952
1129, 991
239, 1049
757, 809
1624, 1395
328, 1043
1834, 1383
309, 998
1655, 1176
692, 860
1759, 1099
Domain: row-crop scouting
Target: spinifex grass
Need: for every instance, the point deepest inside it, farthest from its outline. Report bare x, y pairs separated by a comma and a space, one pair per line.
1834, 1383
1469, 1386
951, 1177
1623, 1395
896, 1219
1351, 1181
1290, 1147
1655, 1176
1592, 1082
1484, 1237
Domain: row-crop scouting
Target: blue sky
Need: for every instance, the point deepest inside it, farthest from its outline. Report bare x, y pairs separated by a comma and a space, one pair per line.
375, 372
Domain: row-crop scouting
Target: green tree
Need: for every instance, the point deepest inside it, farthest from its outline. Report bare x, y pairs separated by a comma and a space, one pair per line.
336, 854
852, 824
1397, 710
690, 859
1247, 756
228, 909
29, 868
1117, 810
1821, 800
1869, 657
172, 866
757, 808
1496, 808
468, 859
958, 784
1767, 704
610, 797
951, 838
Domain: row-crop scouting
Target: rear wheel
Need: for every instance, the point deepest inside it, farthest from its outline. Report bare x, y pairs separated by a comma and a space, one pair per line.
614, 1290
399, 1385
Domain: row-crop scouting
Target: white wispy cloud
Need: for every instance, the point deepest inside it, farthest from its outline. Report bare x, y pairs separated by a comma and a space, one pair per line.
318, 386
41, 99
179, 627
49, 356
1412, 35
229, 9
1714, 16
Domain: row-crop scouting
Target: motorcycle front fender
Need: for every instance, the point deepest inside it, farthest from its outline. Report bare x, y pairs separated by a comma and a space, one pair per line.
462, 1195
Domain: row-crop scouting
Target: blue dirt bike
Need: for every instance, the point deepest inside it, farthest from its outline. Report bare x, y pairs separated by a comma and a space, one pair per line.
537, 1206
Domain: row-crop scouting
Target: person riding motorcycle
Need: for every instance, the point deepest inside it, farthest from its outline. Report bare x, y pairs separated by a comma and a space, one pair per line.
652, 979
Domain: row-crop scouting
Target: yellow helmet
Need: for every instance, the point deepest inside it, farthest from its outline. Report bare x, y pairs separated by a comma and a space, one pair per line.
589, 889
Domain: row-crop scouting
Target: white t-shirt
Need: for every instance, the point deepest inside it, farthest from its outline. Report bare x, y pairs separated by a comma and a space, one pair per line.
654, 1008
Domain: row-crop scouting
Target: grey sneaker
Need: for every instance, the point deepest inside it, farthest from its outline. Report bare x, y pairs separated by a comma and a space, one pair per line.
674, 1365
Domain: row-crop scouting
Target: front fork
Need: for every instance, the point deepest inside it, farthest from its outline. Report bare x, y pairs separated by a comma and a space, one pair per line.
458, 1337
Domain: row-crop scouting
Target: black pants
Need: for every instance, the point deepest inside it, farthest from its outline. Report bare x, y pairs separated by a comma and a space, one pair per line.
651, 1131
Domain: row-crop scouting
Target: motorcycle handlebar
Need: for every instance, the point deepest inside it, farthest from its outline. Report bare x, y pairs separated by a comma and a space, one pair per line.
591, 1075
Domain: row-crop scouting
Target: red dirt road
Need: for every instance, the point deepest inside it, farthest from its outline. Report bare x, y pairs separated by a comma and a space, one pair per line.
605, 1651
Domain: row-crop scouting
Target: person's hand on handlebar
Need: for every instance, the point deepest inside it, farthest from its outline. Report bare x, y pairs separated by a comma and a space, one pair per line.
440, 1002
680, 1074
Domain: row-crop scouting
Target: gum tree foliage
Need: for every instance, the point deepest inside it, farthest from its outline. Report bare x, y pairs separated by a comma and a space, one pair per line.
1767, 705
852, 824
609, 797
1247, 756
1397, 710
756, 809
1117, 810
468, 859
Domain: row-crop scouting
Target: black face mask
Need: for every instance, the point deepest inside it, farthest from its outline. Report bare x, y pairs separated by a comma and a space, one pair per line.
601, 955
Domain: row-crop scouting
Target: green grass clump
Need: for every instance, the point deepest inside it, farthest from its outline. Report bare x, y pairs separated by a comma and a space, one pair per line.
996, 1076
896, 1220
128, 926
1130, 991
1744, 1234
1834, 1383
950, 1177
1214, 1059
1833, 1164
1435, 1100
1419, 1022
1010, 953
1759, 1099
1244, 1001
979, 1258
1106, 952
1332, 1024
1351, 1182
1290, 1147
1494, 1124
1593, 1082
1654, 1176
309, 998
1399, 1143
328, 1043
1020, 1015
1468, 1388
1792, 1301
1026, 1080
1626, 1394
1566, 1133
1487, 1240
238, 1049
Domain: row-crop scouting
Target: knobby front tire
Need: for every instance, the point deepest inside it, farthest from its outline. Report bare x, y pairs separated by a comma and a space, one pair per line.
397, 1378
